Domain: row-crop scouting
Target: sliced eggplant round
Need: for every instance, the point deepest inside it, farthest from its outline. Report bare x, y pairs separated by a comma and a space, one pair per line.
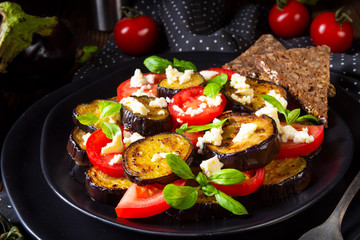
145, 160
76, 147
249, 153
257, 102
166, 89
92, 108
284, 177
153, 120
104, 188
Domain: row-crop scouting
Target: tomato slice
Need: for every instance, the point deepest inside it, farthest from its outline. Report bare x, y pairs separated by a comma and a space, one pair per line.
189, 98
291, 149
144, 201
222, 70
94, 144
254, 179
124, 89
193, 137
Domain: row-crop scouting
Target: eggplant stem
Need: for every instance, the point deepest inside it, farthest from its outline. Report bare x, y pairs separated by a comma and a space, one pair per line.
17, 30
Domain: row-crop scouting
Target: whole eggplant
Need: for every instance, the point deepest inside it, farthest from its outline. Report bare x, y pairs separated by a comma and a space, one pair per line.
35, 52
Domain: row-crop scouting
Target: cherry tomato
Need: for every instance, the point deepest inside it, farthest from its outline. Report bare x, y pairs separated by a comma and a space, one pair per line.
291, 149
136, 35
326, 30
94, 144
124, 89
144, 201
189, 98
291, 21
254, 179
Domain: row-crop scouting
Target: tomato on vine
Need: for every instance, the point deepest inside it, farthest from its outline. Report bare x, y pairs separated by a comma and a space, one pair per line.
289, 18
333, 29
135, 34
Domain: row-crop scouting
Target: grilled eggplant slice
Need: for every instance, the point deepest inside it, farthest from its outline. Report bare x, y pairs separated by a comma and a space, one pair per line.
166, 89
104, 188
285, 177
259, 87
76, 147
145, 161
157, 119
92, 108
250, 153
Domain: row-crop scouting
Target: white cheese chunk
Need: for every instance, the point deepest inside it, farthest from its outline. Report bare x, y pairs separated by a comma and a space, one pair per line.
135, 105
172, 74
208, 74
243, 99
245, 132
211, 102
213, 136
290, 133
186, 76
116, 159
85, 137
211, 166
138, 79
131, 137
115, 146
278, 97
158, 156
158, 102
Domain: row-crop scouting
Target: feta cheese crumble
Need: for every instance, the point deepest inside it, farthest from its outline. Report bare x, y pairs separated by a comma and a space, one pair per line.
130, 138
245, 132
116, 159
135, 105
208, 74
242, 88
173, 75
158, 102
115, 146
211, 166
138, 79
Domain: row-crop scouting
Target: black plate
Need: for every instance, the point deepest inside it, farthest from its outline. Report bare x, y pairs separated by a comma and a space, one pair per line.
333, 161
46, 216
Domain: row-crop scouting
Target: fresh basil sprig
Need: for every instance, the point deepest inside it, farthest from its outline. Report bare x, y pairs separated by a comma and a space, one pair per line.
214, 85
107, 108
158, 64
184, 197
198, 128
290, 116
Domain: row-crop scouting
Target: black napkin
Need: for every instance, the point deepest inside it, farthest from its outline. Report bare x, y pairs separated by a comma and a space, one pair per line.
191, 25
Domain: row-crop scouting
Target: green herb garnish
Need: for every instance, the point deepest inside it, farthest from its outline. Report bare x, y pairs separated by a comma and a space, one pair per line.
184, 197
290, 116
88, 52
158, 64
198, 128
214, 85
107, 108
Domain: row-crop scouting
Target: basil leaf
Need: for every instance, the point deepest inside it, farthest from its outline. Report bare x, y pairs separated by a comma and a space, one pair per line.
273, 101
292, 116
110, 129
211, 90
183, 197
156, 64
109, 108
227, 176
209, 190
183, 65
179, 166
219, 79
199, 128
306, 118
87, 119
202, 179
230, 204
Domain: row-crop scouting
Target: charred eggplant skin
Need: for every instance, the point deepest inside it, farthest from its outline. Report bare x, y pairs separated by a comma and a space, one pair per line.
284, 178
104, 188
75, 149
164, 89
142, 168
253, 157
146, 125
260, 87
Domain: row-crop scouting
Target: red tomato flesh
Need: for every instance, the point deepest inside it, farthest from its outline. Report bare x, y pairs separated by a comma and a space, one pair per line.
124, 90
254, 179
144, 201
189, 98
228, 72
291, 149
94, 144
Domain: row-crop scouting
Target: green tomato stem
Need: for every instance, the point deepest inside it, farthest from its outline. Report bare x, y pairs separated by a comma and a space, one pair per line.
130, 12
341, 17
17, 29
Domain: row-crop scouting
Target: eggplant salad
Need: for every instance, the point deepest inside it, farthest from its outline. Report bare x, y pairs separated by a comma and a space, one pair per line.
177, 139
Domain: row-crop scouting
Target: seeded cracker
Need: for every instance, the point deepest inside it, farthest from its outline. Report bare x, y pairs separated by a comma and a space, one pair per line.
244, 64
304, 73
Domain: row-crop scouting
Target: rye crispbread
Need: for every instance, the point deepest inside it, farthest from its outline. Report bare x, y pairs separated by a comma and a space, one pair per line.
244, 64
305, 73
